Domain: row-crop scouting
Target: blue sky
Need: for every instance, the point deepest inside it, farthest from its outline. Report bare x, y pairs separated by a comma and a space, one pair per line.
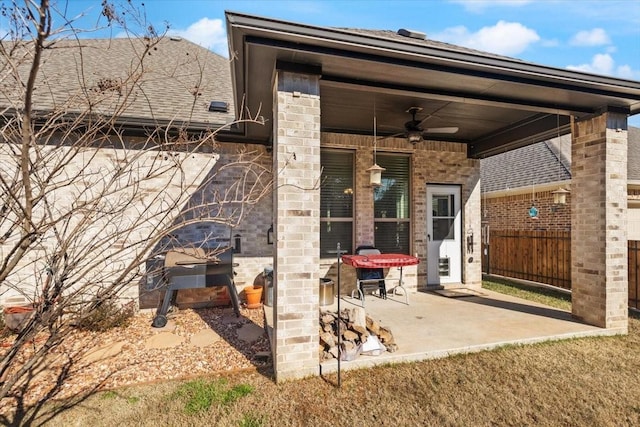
601, 37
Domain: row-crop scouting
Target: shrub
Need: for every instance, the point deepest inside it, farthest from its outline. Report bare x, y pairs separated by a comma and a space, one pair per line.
105, 315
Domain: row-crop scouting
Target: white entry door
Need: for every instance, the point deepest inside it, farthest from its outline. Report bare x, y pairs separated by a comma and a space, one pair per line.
444, 240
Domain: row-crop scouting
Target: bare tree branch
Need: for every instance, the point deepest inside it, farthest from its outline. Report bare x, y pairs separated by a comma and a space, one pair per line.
85, 205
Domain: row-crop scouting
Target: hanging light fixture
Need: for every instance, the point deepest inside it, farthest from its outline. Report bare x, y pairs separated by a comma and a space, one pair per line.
375, 171
375, 175
560, 196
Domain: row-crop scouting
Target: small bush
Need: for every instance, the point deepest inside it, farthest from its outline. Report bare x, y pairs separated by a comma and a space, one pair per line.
201, 394
105, 315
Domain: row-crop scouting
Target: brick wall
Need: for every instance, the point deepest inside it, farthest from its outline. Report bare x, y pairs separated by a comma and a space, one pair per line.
255, 252
512, 212
103, 254
254, 256
431, 162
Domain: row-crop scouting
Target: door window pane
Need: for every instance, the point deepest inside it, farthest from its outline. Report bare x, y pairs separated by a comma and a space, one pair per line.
443, 229
442, 217
442, 205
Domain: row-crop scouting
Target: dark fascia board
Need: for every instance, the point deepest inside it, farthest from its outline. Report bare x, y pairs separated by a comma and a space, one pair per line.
350, 41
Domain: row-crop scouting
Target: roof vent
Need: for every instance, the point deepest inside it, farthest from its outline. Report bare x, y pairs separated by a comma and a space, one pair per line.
412, 34
218, 107
175, 38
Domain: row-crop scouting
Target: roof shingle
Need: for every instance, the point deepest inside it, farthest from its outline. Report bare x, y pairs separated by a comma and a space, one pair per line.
174, 80
543, 162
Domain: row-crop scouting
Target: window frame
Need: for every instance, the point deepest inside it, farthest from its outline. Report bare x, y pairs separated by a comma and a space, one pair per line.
352, 218
409, 219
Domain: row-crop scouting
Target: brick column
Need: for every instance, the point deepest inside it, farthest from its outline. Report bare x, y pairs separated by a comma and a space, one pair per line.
599, 221
297, 224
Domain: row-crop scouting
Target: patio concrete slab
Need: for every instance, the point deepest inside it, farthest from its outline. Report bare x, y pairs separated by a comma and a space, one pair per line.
434, 326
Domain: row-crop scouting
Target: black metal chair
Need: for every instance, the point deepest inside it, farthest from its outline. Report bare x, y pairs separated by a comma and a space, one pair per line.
369, 277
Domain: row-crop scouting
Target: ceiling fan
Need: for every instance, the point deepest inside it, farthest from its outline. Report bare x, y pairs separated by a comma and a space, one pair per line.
414, 131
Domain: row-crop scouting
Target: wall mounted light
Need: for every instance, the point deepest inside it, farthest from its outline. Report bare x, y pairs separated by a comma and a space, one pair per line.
270, 235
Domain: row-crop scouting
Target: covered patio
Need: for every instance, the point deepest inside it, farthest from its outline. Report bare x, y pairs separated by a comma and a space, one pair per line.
346, 98
434, 326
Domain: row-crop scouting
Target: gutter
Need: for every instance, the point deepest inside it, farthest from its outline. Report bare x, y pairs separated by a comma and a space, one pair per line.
349, 41
547, 186
137, 125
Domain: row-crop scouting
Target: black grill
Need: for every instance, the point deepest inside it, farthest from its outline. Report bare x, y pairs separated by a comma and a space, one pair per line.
191, 268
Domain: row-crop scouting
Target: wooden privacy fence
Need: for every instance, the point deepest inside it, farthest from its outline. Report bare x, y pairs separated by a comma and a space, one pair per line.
545, 257
538, 256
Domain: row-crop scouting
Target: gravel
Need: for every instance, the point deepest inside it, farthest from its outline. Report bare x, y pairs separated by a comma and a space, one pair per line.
121, 356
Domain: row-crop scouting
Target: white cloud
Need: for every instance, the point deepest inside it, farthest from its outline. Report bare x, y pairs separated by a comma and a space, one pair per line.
625, 72
601, 63
595, 37
481, 5
504, 38
604, 64
208, 33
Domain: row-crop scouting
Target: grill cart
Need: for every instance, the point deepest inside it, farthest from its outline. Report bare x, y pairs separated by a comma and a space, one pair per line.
191, 268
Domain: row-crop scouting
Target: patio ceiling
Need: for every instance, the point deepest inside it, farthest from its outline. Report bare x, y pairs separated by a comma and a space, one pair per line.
498, 103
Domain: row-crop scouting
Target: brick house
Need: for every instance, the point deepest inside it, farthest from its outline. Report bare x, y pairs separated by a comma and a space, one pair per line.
514, 181
337, 101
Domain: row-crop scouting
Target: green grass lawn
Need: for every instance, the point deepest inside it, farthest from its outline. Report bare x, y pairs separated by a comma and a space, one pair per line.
547, 296
578, 382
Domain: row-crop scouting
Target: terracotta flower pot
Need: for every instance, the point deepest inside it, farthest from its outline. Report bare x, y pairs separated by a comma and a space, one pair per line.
17, 317
254, 296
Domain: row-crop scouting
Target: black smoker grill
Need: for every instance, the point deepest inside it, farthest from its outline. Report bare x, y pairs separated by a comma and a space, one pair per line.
191, 268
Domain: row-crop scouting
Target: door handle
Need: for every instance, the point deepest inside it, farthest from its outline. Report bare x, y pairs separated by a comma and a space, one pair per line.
429, 237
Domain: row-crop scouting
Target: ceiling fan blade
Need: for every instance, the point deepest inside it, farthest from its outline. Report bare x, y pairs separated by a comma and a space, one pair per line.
395, 135
451, 129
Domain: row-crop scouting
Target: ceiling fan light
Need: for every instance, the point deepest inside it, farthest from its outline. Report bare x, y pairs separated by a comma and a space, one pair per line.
414, 136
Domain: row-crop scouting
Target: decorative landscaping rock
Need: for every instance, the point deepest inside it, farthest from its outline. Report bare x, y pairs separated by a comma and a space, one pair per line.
355, 329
